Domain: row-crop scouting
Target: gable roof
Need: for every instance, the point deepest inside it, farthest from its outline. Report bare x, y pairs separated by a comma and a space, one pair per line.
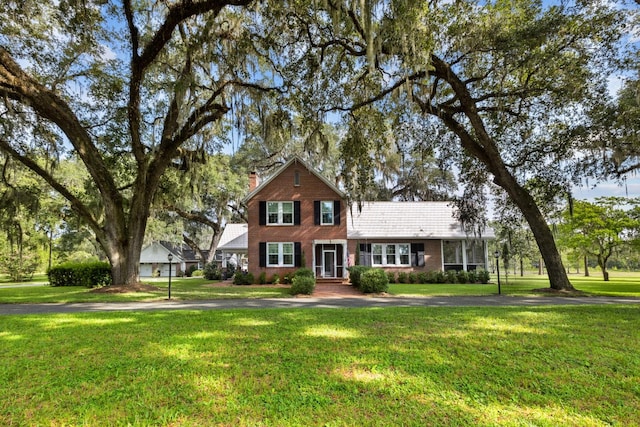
407, 220
291, 161
234, 237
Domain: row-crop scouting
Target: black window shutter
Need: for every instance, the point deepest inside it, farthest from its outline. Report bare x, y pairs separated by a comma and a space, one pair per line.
297, 254
316, 212
262, 213
365, 254
263, 254
336, 212
296, 212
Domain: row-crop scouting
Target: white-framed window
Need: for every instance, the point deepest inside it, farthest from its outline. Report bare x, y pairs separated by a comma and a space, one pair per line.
279, 213
390, 254
326, 212
280, 254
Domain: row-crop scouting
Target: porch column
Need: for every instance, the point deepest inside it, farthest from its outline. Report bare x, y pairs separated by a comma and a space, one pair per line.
464, 255
345, 260
313, 258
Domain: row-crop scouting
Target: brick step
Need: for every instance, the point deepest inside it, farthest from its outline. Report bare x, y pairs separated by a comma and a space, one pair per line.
331, 281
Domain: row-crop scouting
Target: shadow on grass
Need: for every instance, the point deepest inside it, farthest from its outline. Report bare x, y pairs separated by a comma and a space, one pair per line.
397, 366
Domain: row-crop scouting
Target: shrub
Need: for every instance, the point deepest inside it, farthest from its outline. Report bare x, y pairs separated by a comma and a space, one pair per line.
403, 277
355, 273
288, 278
262, 278
391, 275
473, 276
197, 273
462, 276
303, 272
413, 277
439, 277
483, 276
190, 270
242, 278
450, 276
423, 277
211, 271
374, 280
80, 274
303, 284
275, 279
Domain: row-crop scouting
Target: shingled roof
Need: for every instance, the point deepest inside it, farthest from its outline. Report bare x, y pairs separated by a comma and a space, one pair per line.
407, 220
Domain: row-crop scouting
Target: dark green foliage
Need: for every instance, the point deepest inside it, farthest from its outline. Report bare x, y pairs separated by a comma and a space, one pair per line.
303, 284
473, 276
450, 276
211, 271
275, 279
242, 278
392, 276
483, 276
462, 277
423, 277
413, 277
80, 274
304, 272
355, 272
287, 279
190, 270
262, 278
374, 280
403, 277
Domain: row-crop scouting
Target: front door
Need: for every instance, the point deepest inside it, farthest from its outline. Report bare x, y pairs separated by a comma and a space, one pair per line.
329, 263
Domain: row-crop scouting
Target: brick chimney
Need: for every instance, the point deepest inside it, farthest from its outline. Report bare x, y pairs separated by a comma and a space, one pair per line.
253, 181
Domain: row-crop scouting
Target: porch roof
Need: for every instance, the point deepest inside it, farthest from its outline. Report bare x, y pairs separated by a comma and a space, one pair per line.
234, 238
407, 220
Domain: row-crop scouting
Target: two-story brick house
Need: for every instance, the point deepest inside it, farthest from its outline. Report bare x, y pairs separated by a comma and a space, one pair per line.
298, 218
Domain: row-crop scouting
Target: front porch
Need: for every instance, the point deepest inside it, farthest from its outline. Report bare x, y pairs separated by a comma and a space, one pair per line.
330, 259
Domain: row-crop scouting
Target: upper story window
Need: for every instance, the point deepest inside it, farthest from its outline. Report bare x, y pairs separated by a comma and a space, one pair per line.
296, 178
280, 213
326, 212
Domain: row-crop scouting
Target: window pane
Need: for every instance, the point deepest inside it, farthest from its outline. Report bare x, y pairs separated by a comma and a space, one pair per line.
475, 254
376, 251
327, 212
272, 212
404, 251
287, 212
287, 253
452, 250
272, 249
391, 254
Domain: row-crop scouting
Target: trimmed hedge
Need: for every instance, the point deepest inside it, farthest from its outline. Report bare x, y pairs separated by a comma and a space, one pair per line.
242, 278
374, 281
303, 284
90, 274
355, 272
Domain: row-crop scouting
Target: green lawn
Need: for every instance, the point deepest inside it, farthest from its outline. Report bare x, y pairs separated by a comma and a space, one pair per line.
181, 289
621, 284
542, 366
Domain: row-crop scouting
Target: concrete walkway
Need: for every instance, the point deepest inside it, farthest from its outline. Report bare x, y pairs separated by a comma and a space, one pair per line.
313, 302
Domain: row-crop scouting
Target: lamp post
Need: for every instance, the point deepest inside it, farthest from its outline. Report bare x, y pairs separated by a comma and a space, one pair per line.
170, 258
497, 255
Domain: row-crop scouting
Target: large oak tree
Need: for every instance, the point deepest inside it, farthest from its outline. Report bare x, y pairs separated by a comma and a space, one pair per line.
129, 88
499, 76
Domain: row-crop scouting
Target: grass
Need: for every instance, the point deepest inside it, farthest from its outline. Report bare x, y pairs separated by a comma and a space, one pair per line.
621, 284
542, 366
181, 289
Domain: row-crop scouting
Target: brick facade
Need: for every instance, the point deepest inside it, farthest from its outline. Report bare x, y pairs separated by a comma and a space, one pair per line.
298, 184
